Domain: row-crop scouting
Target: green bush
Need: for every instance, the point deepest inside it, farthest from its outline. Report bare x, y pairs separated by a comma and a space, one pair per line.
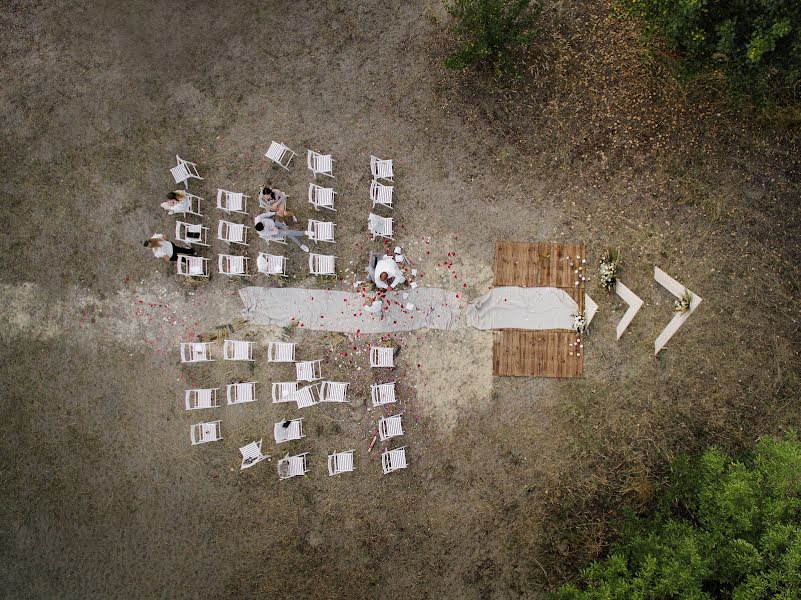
755, 44
722, 529
491, 31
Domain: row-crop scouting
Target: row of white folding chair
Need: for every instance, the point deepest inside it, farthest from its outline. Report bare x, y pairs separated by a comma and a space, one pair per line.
184, 171
236, 393
318, 164
199, 234
380, 226
340, 462
326, 391
227, 264
273, 264
232, 202
322, 164
193, 352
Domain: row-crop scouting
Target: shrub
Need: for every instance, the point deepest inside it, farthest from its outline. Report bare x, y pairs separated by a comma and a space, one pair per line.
755, 44
491, 31
722, 529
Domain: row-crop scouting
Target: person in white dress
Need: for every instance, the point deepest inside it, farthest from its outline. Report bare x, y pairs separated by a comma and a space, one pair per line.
177, 202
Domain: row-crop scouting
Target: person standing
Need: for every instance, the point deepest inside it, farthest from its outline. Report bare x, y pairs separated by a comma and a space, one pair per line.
166, 250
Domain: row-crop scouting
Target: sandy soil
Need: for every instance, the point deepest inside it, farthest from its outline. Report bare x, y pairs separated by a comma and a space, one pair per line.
510, 481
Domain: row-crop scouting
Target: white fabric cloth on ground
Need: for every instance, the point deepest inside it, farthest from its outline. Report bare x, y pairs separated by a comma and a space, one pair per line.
522, 308
326, 310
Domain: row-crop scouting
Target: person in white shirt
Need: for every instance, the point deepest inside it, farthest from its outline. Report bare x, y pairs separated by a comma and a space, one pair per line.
166, 250
272, 230
387, 274
177, 202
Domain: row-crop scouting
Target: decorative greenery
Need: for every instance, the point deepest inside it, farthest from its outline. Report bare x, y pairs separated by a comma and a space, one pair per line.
491, 31
722, 529
755, 44
682, 305
610, 262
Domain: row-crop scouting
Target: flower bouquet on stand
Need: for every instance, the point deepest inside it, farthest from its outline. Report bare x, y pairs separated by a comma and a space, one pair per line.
610, 262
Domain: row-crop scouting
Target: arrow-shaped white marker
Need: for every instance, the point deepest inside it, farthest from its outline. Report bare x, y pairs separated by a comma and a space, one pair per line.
590, 308
634, 302
678, 290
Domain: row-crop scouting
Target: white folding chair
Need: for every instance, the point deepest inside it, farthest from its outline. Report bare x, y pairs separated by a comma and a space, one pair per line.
281, 352
198, 399
184, 171
280, 154
392, 460
380, 226
322, 264
390, 427
320, 231
192, 208
307, 396
383, 393
190, 233
382, 356
233, 233
251, 455
333, 391
286, 431
203, 433
192, 266
321, 197
194, 352
241, 393
292, 466
340, 462
235, 202
381, 194
309, 370
229, 264
238, 350
381, 169
271, 264
320, 164
284, 391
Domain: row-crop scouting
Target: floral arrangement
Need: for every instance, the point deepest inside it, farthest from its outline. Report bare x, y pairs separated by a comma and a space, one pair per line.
579, 323
608, 269
682, 305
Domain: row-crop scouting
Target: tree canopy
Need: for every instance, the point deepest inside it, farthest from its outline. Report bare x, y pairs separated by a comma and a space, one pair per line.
723, 528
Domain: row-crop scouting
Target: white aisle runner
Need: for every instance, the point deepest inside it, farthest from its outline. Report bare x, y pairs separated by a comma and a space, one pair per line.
326, 310
522, 308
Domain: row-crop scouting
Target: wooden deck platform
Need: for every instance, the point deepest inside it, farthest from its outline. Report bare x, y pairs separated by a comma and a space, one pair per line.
552, 353
523, 353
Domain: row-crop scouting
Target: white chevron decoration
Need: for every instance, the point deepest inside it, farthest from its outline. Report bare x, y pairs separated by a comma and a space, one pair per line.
678, 290
634, 302
590, 308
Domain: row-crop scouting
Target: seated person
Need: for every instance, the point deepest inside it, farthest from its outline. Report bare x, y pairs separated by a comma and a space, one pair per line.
387, 274
177, 202
273, 231
274, 200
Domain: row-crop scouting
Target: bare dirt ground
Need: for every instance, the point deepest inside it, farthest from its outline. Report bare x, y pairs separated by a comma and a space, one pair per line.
511, 483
